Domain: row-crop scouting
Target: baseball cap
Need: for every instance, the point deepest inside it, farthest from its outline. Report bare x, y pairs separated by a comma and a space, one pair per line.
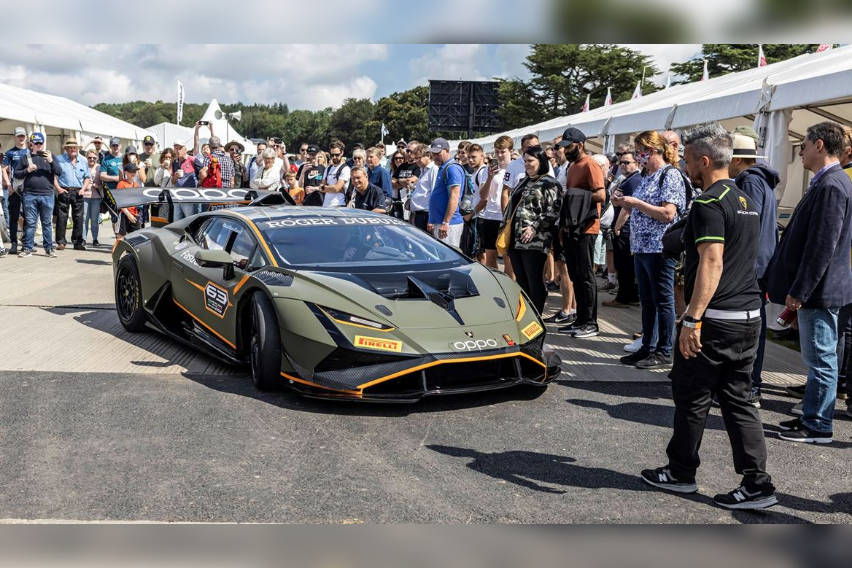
20, 131
179, 142
131, 167
215, 142
37, 138
313, 149
570, 136
744, 147
439, 144
148, 140
130, 150
115, 141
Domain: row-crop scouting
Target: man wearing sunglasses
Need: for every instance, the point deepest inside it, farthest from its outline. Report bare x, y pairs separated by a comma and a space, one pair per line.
335, 178
628, 294
37, 172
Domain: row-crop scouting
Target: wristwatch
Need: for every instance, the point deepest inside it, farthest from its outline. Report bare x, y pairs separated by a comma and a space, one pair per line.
691, 322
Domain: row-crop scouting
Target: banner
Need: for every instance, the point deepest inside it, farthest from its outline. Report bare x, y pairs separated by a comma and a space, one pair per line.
180, 102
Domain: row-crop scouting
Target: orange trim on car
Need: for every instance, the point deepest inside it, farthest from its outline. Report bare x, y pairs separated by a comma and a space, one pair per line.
210, 329
522, 308
196, 284
242, 281
444, 361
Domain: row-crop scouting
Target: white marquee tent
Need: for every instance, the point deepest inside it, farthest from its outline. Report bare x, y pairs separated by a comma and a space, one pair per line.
780, 100
165, 133
58, 118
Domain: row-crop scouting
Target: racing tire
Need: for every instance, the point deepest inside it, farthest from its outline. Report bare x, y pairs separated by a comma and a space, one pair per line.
128, 295
265, 344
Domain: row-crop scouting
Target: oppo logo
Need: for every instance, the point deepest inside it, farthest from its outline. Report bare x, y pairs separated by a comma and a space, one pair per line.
474, 344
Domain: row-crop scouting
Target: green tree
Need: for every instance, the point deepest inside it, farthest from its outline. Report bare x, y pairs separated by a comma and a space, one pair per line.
405, 114
724, 58
350, 123
562, 76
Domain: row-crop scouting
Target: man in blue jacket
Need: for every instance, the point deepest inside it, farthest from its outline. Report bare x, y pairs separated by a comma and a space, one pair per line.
810, 272
758, 182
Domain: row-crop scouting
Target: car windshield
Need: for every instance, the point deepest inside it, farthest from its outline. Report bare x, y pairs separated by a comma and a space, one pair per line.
343, 243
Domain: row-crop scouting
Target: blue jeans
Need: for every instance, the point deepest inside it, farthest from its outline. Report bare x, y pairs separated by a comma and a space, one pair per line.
818, 340
91, 215
38, 206
6, 206
655, 276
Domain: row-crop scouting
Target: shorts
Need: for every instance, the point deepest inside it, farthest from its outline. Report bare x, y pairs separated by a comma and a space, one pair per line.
488, 230
125, 226
454, 234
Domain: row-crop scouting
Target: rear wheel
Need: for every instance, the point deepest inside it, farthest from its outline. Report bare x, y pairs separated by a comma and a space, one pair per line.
128, 295
265, 344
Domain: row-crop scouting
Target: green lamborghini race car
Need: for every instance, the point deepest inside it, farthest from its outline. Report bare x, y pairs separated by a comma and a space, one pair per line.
334, 303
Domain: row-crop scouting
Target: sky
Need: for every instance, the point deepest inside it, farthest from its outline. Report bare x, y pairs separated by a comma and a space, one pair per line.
304, 76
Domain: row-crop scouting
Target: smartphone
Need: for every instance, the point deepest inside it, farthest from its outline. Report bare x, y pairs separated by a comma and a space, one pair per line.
492, 163
41, 153
203, 122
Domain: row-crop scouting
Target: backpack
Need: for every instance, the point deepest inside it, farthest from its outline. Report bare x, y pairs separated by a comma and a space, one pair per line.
466, 198
214, 173
687, 185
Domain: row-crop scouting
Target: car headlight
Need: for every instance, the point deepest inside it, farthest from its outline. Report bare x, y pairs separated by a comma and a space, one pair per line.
349, 319
522, 308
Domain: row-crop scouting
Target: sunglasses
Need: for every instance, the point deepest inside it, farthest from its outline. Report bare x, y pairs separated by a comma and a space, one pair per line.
626, 163
335, 155
38, 143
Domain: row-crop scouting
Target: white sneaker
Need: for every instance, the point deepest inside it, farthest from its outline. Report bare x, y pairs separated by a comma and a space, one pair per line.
635, 346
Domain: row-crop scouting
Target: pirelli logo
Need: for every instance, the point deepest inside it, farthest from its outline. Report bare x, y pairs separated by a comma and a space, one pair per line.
531, 330
378, 343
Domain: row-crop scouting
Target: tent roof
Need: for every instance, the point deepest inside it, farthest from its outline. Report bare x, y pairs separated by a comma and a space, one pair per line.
34, 108
810, 80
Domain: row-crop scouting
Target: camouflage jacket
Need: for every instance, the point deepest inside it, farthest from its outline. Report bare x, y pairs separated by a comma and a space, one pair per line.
538, 208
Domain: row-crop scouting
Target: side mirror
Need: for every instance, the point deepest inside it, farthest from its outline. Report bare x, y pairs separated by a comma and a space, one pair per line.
214, 259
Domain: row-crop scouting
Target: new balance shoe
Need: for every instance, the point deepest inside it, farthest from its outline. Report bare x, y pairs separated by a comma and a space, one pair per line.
742, 498
805, 435
25, 253
588, 330
655, 361
634, 358
559, 317
662, 477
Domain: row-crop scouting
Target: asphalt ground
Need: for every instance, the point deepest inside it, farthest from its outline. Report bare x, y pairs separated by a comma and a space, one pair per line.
209, 448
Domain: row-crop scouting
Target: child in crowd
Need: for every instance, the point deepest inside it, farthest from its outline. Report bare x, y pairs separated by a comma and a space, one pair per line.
296, 192
129, 219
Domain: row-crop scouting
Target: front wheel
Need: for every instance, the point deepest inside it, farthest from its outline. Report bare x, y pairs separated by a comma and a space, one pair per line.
128, 295
265, 345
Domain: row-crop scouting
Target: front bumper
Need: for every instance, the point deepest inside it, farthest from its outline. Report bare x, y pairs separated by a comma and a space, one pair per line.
414, 378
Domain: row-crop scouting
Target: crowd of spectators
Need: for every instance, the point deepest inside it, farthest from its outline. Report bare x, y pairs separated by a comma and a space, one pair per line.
554, 215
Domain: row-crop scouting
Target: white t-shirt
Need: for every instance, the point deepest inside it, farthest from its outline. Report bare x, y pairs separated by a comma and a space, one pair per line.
493, 208
423, 188
515, 172
333, 174
562, 174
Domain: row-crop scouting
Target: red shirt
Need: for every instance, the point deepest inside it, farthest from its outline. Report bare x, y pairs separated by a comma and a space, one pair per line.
124, 185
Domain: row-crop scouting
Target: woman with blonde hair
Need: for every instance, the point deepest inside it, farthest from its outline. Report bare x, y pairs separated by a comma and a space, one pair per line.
657, 202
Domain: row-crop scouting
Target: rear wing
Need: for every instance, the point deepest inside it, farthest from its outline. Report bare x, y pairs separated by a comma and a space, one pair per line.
163, 199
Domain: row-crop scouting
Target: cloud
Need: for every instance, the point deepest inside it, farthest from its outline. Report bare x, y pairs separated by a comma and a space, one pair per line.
304, 76
450, 62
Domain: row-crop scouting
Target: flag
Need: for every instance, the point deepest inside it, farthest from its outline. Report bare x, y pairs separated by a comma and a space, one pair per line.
761, 58
586, 104
608, 100
823, 47
705, 75
637, 92
384, 132
180, 102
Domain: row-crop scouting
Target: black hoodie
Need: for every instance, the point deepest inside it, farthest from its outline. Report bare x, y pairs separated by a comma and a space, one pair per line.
758, 183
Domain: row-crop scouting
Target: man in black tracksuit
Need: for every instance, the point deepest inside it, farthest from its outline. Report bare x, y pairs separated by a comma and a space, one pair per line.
758, 182
718, 335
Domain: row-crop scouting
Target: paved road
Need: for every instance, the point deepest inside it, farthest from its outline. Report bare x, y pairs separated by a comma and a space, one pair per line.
192, 447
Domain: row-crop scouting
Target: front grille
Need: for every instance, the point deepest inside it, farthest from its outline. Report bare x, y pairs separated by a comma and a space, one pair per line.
410, 384
471, 375
346, 359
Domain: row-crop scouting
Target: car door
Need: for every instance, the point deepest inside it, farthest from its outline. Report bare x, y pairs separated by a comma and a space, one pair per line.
203, 292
